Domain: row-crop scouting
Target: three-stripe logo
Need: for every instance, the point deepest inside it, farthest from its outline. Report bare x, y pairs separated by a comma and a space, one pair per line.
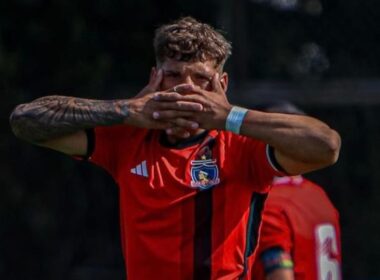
140, 169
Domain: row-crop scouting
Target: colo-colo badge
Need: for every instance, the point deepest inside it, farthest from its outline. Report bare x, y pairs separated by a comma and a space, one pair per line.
204, 173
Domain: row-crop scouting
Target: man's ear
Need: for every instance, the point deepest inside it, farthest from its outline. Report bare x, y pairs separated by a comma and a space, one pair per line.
224, 81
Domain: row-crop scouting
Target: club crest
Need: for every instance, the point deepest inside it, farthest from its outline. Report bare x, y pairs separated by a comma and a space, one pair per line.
204, 173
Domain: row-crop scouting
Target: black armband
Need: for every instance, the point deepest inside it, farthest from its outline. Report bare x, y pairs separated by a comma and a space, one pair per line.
273, 160
276, 258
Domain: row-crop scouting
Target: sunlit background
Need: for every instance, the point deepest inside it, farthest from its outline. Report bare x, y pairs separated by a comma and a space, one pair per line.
59, 217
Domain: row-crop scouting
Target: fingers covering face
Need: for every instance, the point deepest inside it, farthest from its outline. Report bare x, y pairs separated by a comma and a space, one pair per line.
155, 80
178, 131
184, 123
174, 96
178, 105
216, 84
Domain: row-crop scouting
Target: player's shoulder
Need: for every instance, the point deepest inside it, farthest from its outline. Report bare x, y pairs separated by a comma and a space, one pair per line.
299, 191
295, 184
289, 190
315, 188
119, 136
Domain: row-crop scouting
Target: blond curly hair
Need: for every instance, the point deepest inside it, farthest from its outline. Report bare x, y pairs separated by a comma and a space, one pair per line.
187, 39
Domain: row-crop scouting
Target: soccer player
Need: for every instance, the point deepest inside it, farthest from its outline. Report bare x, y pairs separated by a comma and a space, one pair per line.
188, 163
300, 234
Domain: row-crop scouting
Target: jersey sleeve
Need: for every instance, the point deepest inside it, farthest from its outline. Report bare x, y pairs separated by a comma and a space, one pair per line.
262, 163
108, 144
257, 161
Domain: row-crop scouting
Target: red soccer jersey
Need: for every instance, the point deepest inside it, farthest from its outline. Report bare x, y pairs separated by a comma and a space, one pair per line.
299, 218
186, 212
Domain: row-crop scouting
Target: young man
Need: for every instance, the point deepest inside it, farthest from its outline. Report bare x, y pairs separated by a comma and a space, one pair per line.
188, 163
299, 233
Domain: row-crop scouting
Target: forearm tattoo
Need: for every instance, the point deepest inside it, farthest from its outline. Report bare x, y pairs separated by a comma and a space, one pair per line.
54, 116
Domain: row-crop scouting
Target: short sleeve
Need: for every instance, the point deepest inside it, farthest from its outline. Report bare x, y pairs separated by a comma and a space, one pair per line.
255, 160
109, 142
262, 163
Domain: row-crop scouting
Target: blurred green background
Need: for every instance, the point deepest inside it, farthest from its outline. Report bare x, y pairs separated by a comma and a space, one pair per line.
59, 217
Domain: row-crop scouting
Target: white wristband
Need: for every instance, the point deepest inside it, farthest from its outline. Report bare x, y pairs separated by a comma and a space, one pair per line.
235, 119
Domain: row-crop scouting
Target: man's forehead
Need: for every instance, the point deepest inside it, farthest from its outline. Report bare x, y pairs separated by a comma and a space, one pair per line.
180, 66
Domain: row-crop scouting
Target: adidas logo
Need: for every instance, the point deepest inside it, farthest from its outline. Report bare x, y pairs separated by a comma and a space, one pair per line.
140, 169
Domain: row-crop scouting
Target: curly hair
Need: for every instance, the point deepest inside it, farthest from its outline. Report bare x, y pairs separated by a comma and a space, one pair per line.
187, 39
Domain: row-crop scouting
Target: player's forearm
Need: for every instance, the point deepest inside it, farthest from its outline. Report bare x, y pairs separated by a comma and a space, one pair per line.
301, 138
54, 116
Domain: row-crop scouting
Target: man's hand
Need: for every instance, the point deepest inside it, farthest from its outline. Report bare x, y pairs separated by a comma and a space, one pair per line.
215, 104
144, 108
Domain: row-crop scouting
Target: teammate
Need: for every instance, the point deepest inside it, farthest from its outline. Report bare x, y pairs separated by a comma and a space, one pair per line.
300, 233
187, 162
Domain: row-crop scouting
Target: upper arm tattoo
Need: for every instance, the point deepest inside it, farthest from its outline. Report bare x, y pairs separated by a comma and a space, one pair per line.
54, 116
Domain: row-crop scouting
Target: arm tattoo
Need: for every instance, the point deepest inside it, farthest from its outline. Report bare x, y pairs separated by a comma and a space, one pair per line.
54, 116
